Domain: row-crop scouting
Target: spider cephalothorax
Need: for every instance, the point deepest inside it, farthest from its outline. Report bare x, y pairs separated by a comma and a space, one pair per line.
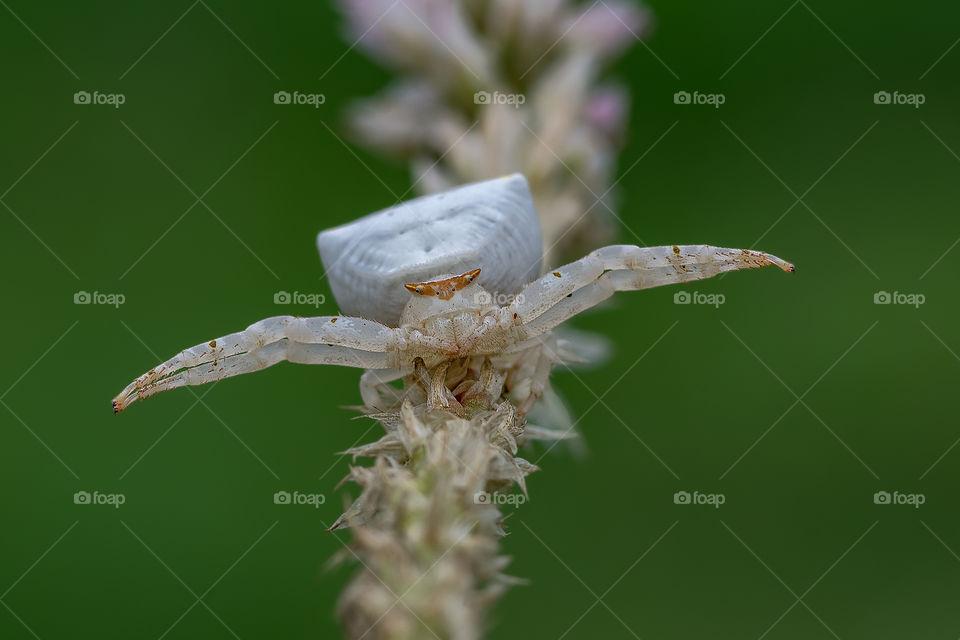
449, 317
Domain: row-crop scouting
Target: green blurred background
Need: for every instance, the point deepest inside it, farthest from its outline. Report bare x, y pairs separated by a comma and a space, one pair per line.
711, 407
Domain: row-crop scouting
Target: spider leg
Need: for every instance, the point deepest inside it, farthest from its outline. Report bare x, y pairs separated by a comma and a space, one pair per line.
546, 358
469, 341
374, 386
420, 343
487, 388
351, 342
567, 291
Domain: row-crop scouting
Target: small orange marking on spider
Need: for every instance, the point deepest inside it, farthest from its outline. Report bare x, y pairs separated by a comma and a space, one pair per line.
213, 344
333, 320
443, 289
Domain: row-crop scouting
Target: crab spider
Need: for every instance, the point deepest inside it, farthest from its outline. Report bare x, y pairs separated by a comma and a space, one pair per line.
447, 318
399, 313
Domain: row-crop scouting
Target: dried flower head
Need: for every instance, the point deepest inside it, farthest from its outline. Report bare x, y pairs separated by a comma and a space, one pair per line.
493, 87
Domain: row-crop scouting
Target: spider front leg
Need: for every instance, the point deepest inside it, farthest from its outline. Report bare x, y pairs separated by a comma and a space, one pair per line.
351, 342
565, 292
473, 332
375, 385
546, 357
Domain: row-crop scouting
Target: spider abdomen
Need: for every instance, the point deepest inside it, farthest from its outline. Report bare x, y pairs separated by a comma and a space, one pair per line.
490, 225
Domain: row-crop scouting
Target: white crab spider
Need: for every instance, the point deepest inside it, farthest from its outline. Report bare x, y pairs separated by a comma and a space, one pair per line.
448, 316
